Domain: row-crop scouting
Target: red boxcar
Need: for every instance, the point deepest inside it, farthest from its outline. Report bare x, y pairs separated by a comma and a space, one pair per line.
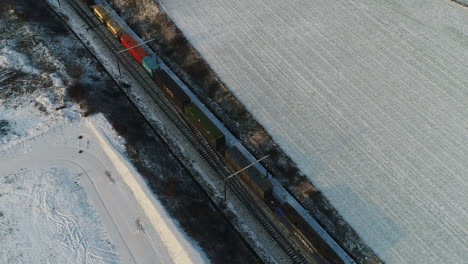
138, 53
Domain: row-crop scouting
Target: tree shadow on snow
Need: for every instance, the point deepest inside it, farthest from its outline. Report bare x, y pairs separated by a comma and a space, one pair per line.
366, 215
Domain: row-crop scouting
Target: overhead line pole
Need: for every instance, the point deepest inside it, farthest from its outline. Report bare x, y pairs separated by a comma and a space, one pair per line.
118, 52
144, 42
239, 171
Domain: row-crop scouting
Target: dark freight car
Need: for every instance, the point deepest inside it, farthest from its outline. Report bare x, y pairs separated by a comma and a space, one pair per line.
138, 52
171, 89
252, 177
296, 223
211, 133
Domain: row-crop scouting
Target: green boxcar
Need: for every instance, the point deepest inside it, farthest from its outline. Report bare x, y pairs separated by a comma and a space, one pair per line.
150, 65
212, 134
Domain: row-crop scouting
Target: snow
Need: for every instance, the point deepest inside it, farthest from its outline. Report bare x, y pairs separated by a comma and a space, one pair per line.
81, 202
66, 199
26, 121
11, 59
56, 80
35, 224
367, 97
179, 249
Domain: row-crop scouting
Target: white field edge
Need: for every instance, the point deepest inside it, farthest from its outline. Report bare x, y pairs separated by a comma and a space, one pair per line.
157, 216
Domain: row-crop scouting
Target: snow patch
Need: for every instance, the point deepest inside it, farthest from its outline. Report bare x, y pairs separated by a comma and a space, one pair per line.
12, 59
45, 218
56, 80
180, 251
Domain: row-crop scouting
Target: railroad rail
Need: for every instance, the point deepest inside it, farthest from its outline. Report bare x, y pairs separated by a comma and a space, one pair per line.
211, 157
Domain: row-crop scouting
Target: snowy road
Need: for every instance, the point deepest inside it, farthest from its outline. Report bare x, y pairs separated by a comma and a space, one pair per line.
135, 223
369, 98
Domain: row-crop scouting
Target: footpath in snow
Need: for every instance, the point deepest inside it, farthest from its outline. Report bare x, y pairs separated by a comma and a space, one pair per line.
69, 196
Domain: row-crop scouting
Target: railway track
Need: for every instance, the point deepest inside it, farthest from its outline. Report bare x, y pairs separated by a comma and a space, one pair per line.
197, 141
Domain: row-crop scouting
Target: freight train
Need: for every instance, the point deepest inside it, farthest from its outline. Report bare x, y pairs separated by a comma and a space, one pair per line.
253, 179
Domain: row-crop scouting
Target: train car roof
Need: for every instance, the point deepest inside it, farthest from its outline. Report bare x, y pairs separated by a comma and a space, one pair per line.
205, 121
180, 94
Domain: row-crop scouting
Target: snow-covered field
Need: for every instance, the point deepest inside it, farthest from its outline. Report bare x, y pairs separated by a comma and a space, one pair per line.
369, 98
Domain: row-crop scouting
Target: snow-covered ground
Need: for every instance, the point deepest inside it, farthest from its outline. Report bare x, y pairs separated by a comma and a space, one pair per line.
68, 194
369, 98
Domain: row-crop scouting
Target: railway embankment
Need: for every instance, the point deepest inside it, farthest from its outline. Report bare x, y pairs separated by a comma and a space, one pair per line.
147, 19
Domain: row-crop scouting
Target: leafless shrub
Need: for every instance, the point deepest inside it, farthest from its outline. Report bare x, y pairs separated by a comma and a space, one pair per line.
32, 10
87, 109
212, 88
132, 153
25, 43
75, 70
4, 127
5, 7
76, 92
6, 76
139, 225
40, 106
109, 176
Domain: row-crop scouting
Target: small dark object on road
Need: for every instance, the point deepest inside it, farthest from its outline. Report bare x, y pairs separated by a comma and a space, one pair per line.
80, 137
81, 151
